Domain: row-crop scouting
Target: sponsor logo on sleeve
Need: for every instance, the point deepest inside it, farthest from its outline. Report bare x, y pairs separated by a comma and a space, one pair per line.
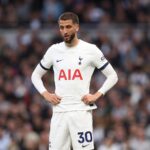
102, 58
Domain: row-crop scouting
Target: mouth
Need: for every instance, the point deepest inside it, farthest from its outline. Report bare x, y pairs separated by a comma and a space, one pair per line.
66, 36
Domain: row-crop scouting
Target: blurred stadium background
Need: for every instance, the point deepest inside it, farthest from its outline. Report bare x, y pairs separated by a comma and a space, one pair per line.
120, 28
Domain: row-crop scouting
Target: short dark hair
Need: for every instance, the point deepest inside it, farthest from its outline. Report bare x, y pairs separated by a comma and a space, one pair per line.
69, 16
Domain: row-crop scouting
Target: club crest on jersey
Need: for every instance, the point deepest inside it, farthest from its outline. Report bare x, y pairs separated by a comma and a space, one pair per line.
70, 74
80, 60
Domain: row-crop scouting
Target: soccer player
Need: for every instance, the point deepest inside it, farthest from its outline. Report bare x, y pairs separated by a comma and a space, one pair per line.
73, 62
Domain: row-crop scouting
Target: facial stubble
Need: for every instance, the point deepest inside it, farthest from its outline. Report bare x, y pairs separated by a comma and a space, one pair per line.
70, 39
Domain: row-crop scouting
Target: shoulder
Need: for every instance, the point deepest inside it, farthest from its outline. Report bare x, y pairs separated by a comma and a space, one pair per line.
91, 48
87, 44
55, 47
58, 45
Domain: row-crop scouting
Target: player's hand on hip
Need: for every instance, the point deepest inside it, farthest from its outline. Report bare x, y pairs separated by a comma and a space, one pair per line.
91, 98
51, 97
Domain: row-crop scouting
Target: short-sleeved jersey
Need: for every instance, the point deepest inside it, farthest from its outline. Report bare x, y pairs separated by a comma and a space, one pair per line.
73, 68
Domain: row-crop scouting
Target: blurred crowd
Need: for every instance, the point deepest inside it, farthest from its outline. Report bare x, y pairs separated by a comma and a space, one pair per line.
122, 120
37, 13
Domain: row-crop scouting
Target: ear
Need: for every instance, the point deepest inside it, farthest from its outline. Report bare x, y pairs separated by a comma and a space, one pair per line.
77, 27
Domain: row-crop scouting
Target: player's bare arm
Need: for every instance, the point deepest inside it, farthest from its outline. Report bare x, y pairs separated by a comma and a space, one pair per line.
51, 97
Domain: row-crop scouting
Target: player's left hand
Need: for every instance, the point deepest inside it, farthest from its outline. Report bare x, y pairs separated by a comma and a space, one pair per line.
91, 98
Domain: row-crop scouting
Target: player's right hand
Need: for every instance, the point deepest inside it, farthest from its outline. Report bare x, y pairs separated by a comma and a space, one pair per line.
51, 98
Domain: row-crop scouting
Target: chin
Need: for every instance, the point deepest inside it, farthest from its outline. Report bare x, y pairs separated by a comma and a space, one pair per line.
68, 41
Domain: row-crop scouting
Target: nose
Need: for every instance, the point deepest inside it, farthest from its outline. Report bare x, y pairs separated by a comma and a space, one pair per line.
65, 30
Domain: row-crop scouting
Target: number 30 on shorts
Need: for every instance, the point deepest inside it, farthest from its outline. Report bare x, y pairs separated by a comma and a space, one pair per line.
85, 136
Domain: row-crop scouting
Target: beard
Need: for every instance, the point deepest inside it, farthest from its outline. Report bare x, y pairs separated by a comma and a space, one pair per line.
69, 39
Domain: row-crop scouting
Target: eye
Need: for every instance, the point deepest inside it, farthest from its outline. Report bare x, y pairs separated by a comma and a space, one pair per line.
68, 26
61, 27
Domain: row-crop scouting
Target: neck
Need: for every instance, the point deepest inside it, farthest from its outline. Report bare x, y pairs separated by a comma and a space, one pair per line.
74, 42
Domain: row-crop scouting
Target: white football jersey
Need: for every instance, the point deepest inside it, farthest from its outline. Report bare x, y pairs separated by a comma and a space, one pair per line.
73, 68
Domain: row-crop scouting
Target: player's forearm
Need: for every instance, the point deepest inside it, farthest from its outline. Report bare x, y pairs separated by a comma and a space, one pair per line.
36, 79
98, 95
111, 79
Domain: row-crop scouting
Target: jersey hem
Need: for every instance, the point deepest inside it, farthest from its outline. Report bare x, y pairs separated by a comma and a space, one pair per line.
82, 109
